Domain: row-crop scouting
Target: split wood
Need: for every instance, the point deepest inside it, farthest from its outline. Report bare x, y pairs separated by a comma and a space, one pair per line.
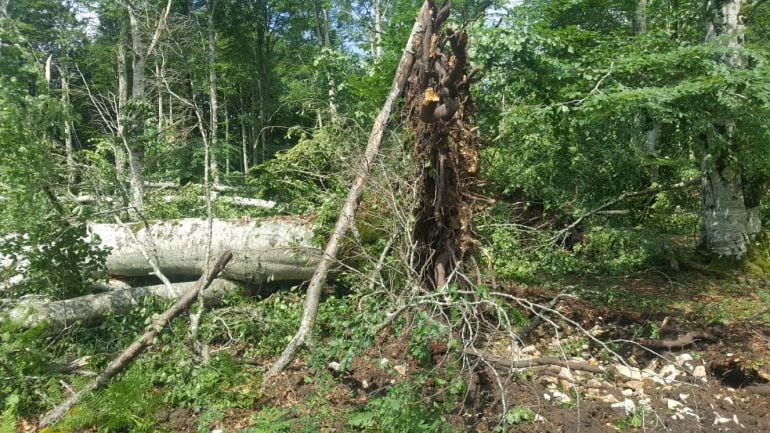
132, 351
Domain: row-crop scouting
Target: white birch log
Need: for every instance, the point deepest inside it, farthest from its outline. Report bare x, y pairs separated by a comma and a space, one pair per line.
263, 250
92, 308
240, 201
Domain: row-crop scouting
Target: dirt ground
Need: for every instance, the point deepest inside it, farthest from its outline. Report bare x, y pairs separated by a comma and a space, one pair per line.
618, 381
715, 384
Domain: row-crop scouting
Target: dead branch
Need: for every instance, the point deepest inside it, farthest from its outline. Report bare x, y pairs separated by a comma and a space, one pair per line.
536, 362
348, 210
678, 343
117, 365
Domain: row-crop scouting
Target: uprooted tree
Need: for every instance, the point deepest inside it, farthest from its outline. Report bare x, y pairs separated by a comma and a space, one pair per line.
433, 67
438, 111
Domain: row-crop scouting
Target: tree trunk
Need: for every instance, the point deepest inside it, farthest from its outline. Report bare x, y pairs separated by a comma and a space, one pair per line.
69, 148
119, 150
729, 211
378, 50
244, 147
213, 122
728, 225
439, 112
92, 308
133, 137
640, 17
264, 250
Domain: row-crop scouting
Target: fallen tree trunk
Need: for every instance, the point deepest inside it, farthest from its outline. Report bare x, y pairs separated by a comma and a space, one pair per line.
240, 201
215, 187
92, 308
263, 250
132, 351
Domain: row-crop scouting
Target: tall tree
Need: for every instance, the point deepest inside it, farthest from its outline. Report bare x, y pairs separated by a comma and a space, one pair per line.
731, 195
134, 115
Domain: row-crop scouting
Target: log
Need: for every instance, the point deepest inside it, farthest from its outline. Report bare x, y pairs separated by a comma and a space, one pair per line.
132, 351
263, 250
88, 309
240, 201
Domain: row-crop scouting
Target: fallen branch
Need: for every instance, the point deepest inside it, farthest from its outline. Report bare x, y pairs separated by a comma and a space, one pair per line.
91, 308
536, 362
348, 210
678, 343
117, 365
524, 333
240, 201
626, 195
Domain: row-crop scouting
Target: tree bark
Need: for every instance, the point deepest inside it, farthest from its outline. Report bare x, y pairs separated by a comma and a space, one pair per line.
213, 109
729, 209
133, 138
132, 351
88, 309
345, 218
264, 250
378, 50
69, 148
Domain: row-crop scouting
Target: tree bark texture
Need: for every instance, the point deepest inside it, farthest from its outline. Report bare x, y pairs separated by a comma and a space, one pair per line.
345, 218
439, 110
729, 206
213, 108
263, 250
132, 351
92, 308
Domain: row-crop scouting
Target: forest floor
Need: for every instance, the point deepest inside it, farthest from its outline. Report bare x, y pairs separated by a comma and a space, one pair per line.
716, 383
707, 386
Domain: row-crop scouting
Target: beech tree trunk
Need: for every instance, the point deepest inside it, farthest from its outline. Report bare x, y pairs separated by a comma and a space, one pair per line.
92, 308
729, 206
263, 250
213, 109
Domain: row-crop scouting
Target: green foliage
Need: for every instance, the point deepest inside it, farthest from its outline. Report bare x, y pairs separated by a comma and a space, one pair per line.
25, 372
633, 420
8, 416
400, 410
518, 415
128, 403
270, 420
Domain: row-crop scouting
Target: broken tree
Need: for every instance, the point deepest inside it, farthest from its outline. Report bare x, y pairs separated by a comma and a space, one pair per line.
275, 249
440, 79
58, 315
345, 218
438, 110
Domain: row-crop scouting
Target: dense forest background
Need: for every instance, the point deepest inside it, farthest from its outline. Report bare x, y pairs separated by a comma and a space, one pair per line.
617, 153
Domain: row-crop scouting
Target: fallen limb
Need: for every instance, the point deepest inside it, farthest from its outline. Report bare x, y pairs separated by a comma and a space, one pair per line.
217, 187
92, 308
536, 362
345, 218
117, 365
240, 201
524, 333
263, 250
678, 343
